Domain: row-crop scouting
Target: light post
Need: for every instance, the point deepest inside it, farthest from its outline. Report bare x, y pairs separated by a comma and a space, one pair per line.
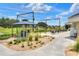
47, 25
59, 23
58, 18
47, 19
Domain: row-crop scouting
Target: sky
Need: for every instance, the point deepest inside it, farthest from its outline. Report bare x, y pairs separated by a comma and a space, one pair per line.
42, 11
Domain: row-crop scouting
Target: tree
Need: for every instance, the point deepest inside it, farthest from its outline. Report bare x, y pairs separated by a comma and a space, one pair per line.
41, 24
7, 22
24, 19
67, 26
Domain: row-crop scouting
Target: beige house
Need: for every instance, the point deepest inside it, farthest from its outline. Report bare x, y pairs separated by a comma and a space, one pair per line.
74, 20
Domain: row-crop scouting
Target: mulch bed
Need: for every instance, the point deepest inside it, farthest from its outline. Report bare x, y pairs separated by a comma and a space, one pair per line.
70, 52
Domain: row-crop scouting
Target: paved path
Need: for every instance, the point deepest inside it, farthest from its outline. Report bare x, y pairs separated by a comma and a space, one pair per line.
55, 48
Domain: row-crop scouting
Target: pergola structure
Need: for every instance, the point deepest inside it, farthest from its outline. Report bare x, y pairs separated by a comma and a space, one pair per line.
23, 32
59, 22
33, 18
23, 23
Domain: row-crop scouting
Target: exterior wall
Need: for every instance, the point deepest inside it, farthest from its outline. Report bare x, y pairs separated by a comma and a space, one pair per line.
77, 28
74, 19
72, 29
75, 24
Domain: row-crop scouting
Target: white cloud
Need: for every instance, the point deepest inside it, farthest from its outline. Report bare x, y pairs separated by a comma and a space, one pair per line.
7, 16
17, 13
63, 13
38, 7
12, 17
49, 17
73, 9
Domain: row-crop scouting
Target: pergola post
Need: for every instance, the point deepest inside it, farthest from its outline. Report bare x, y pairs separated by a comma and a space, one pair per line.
12, 30
17, 32
24, 35
33, 20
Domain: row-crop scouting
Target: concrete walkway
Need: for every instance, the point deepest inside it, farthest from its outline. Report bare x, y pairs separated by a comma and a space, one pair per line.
55, 48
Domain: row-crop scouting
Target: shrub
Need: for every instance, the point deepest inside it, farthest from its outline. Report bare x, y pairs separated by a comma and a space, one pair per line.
76, 46
5, 36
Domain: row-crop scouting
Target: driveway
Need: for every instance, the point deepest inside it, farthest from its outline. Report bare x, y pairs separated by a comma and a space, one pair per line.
55, 48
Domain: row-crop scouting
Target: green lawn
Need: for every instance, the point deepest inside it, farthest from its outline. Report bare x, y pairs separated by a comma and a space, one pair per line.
7, 32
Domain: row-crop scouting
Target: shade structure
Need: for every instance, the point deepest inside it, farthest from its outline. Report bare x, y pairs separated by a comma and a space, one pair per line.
23, 23
23, 32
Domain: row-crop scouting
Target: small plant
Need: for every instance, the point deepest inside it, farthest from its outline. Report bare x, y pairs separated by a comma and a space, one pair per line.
50, 39
22, 46
53, 38
39, 42
36, 38
30, 38
42, 43
35, 46
16, 42
10, 43
23, 40
30, 47
36, 42
28, 44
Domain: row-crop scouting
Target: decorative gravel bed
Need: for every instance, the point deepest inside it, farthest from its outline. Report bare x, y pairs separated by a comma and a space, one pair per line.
30, 44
